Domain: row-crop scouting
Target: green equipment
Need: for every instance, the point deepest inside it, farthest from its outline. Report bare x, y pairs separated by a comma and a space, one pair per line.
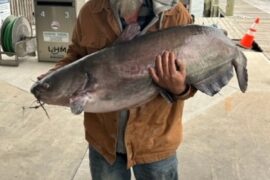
16, 39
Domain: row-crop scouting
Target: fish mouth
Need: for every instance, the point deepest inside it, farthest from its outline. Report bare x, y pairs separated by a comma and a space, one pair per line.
47, 99
39, 88
43, 93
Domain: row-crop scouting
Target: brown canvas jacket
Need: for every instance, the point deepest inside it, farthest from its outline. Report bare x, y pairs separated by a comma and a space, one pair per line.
154, 130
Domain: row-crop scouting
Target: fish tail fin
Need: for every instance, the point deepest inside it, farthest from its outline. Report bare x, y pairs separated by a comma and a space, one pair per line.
240, 65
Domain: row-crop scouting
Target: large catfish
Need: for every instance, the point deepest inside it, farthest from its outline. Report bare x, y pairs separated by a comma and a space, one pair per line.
117, 78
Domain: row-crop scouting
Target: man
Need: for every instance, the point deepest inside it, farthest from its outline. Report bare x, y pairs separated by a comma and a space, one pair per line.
145, 137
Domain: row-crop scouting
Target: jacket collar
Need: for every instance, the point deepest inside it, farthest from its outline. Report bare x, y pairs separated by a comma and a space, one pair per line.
160, 6
98, 6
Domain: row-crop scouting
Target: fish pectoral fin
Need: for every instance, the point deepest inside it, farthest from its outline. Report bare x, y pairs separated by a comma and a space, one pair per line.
213, 84
77, 104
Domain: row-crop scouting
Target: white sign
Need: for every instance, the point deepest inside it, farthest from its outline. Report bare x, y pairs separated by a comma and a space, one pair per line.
50, 36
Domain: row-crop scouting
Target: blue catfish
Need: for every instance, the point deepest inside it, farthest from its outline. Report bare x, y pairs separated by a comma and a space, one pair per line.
117, 77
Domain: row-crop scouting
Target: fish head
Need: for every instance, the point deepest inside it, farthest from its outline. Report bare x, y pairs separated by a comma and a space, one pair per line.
62, 85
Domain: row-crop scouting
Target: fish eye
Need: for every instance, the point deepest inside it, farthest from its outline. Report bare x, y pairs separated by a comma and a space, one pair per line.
46, 85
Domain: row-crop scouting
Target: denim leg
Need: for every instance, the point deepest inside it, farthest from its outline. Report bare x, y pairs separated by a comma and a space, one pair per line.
161, 170
102, 170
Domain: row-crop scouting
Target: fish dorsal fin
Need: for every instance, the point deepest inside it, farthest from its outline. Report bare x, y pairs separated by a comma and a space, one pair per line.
130, 32
212, 84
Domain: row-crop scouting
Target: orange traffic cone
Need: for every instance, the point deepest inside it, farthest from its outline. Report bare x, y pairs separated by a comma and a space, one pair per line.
248, 38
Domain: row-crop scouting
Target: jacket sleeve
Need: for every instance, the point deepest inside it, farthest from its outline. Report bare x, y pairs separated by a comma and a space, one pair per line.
182, 17
189, 92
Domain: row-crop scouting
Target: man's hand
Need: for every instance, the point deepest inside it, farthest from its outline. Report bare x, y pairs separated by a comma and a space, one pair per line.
169, 73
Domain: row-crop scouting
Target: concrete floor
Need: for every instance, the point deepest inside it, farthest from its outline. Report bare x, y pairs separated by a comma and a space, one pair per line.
226, 137
229, 140
33, 146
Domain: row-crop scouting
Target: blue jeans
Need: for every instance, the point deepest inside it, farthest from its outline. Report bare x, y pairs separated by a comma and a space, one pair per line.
161, 170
